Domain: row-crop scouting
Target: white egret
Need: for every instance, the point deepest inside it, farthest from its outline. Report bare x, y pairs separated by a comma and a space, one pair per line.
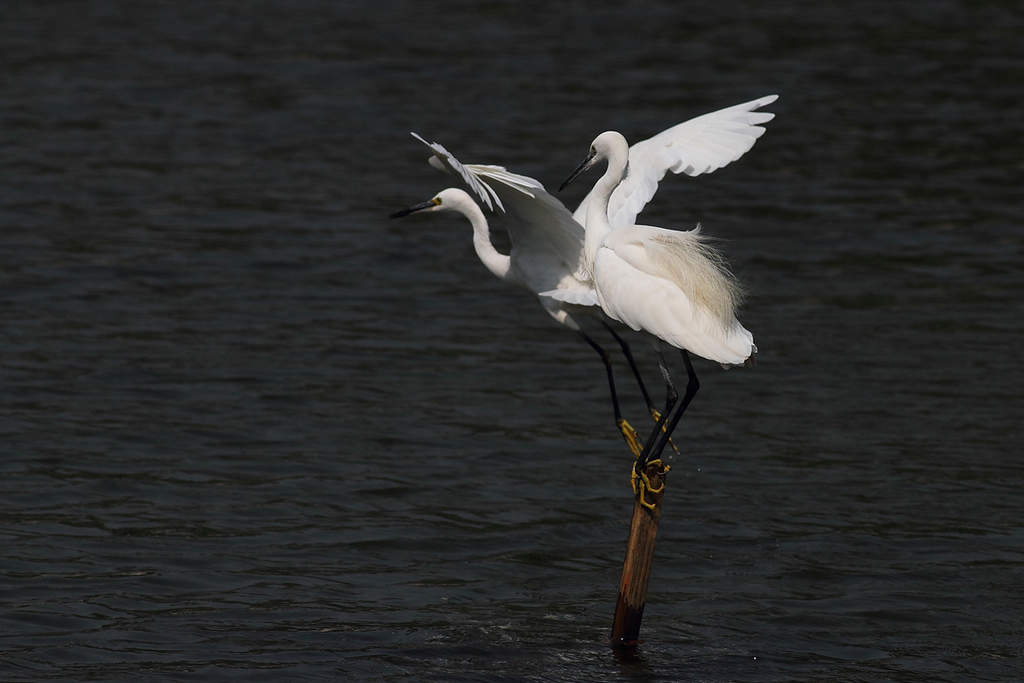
670, 284
536, 264
545, 235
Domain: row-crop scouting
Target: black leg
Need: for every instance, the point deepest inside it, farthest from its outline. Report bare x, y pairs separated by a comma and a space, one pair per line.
653, 452
628, 353
628, 433
671, 395
670, 400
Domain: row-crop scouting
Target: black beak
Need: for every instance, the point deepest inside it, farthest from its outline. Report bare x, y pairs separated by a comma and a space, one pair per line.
413, 209
587, 163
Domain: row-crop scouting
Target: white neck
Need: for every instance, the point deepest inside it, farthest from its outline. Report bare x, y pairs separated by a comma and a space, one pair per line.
597, 226
495, 261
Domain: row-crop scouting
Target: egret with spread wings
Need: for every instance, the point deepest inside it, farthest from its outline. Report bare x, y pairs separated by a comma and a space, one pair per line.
548, 242
671, 284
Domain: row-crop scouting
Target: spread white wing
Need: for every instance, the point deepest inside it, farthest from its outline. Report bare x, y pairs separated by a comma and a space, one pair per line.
700, 145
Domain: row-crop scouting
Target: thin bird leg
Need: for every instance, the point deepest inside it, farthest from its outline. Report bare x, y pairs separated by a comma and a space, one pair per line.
628, 353
692, 385
671, 395
652, 452
638, 476
628, 433
670, 400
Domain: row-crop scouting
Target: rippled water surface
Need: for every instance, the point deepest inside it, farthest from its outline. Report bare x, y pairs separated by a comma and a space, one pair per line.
253, 430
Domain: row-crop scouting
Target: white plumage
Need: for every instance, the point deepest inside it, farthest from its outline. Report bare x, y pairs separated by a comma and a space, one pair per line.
701, 145
549, 256
673, 285
547, 235
535, 263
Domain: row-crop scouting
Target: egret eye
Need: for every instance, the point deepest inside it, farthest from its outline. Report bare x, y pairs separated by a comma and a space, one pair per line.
437, 201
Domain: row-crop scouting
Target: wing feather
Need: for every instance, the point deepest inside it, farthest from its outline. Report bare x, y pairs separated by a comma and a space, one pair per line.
701, 145
540, 225
474, 175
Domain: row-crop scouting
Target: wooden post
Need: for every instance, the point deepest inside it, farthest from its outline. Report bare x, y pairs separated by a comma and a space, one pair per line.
636, 570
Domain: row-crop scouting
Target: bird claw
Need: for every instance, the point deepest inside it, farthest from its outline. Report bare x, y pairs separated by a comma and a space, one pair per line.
631, 436
642, 483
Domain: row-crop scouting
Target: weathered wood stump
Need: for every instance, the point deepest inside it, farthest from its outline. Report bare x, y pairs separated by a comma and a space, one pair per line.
636, 569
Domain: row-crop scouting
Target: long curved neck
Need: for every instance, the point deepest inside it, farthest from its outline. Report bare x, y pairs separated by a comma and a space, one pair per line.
496, 262
597, 226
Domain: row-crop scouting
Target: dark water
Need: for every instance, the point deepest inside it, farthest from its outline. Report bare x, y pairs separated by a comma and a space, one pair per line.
253, 430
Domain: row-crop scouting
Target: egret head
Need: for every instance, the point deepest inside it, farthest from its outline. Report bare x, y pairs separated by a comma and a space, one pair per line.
451, 199
607, 145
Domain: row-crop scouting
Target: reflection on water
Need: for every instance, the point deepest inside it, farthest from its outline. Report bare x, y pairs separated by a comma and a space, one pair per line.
252, 428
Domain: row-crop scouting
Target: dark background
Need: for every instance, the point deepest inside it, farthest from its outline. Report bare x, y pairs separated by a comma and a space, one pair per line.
252, 430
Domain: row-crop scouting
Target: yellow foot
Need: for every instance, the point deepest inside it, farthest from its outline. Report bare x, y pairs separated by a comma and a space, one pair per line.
647, 481
631, 437
657, 416
642, 483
